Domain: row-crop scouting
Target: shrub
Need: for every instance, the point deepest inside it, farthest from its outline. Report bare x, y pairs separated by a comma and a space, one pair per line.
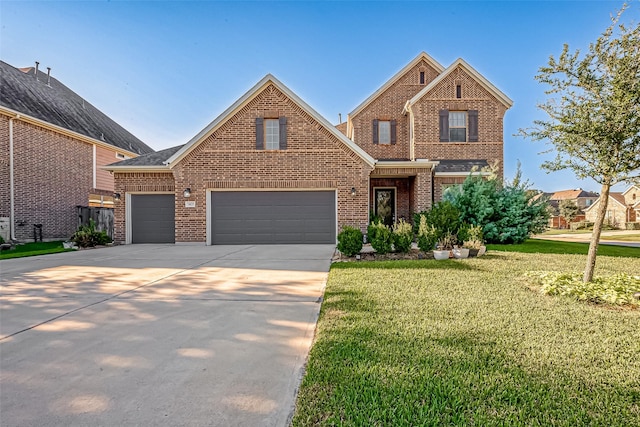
581, 225
380, 237
444, 216
402, 236
350, 241
617, 289
1, 240
474, 238
88, 236
507, 213
427, 234
628, 226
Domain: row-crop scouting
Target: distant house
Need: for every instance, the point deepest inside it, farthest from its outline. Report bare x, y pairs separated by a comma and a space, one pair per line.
52, 144
583, 199
623, 207
270, 169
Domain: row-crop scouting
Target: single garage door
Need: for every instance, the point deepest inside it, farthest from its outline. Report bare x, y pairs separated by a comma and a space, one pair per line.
153, 218
268, 217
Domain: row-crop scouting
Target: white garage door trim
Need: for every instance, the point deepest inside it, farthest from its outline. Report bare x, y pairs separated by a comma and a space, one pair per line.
128, 229
209, 225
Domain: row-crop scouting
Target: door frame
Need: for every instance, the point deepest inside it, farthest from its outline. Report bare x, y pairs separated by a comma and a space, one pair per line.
395, 201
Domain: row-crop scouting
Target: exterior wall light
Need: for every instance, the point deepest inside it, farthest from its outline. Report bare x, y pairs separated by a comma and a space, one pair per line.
186, 193
353, 191
116, 196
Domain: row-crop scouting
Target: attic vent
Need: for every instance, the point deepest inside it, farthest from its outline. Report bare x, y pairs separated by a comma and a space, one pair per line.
49, 76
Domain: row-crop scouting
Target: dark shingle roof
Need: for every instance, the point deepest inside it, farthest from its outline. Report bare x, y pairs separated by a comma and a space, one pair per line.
58, 105
150, 159
460, 165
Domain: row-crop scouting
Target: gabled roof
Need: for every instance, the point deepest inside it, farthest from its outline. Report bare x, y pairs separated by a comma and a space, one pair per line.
476, 75
616, 197
631, 187
22, 92
422, 56
245, 99
150, 160
572, 194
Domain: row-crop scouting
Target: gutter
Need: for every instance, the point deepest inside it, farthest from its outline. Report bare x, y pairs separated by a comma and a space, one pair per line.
12, 226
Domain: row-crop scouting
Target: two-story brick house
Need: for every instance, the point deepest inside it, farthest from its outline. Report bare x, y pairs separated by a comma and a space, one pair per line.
272, 170
52, 145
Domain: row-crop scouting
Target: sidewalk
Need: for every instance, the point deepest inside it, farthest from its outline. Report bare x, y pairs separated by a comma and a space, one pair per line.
606, 238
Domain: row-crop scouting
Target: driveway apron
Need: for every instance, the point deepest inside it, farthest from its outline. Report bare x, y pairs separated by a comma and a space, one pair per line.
158, 334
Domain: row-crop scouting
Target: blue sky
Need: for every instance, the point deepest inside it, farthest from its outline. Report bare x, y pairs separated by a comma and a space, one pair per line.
165, 69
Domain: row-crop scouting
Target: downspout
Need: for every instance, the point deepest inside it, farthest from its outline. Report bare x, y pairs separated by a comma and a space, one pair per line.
12, 227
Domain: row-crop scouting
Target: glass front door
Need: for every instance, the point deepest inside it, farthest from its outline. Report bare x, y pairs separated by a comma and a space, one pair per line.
385, 204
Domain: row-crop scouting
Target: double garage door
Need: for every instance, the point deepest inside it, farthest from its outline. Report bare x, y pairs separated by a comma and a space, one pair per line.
243, 217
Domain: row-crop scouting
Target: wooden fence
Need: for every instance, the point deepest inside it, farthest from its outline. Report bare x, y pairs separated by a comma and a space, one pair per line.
103, 218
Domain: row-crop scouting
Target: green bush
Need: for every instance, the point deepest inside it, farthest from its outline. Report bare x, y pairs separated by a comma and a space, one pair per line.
87, 236
616, 290
379, 235
350, 241
444, 216
581, 225
632, 225
507, 213
427, 234
402, 236
1, 240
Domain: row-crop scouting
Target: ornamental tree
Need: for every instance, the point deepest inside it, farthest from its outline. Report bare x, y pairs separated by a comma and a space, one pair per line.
593, 109
568, 210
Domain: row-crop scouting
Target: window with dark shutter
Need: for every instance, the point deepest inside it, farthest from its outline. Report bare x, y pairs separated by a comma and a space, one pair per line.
283, 133
259, 133
375, 131
444, 125
473, 125
393, 132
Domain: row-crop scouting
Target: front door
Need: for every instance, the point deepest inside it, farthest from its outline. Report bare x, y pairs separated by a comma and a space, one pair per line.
385, 204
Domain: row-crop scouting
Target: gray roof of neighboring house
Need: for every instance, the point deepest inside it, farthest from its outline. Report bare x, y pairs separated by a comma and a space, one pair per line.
58, 105
150, 159
460, 165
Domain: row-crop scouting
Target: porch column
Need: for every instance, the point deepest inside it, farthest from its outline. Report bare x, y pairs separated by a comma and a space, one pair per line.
422, 190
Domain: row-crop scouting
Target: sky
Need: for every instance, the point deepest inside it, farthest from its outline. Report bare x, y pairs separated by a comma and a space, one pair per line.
165, 69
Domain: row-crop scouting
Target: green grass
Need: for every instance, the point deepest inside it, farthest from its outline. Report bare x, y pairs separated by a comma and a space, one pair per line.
556, 247
623, 237
555, 231
403, 343
32, 249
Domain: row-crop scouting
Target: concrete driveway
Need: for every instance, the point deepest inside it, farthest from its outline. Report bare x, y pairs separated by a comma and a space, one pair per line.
158, 334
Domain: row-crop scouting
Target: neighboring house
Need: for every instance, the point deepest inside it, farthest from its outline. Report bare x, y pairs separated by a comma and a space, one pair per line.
272, 170
632, 200
618, 211
583, 199
52, 145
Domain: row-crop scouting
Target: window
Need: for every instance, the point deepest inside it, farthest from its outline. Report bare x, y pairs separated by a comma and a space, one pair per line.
458, 91
384, 132
272, 134
457, 126
421, 77
588, 202
121, 156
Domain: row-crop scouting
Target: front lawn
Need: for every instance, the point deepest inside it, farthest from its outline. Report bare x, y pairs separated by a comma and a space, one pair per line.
557, 247
467, 343
32, 249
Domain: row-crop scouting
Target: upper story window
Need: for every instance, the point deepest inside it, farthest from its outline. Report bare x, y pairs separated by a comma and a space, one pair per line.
384, 132
458, 126
271, 134
421, 77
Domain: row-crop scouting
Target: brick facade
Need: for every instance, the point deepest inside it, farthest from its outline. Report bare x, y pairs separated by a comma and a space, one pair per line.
228, 159
389, 106
53, 174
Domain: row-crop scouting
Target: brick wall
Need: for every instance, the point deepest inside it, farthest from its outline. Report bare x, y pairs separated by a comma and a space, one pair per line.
474, 97
4, 167
135, 182
52, 175
228, 159
389, 106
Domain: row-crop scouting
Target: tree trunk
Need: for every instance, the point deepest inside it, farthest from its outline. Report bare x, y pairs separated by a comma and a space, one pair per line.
595, 235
